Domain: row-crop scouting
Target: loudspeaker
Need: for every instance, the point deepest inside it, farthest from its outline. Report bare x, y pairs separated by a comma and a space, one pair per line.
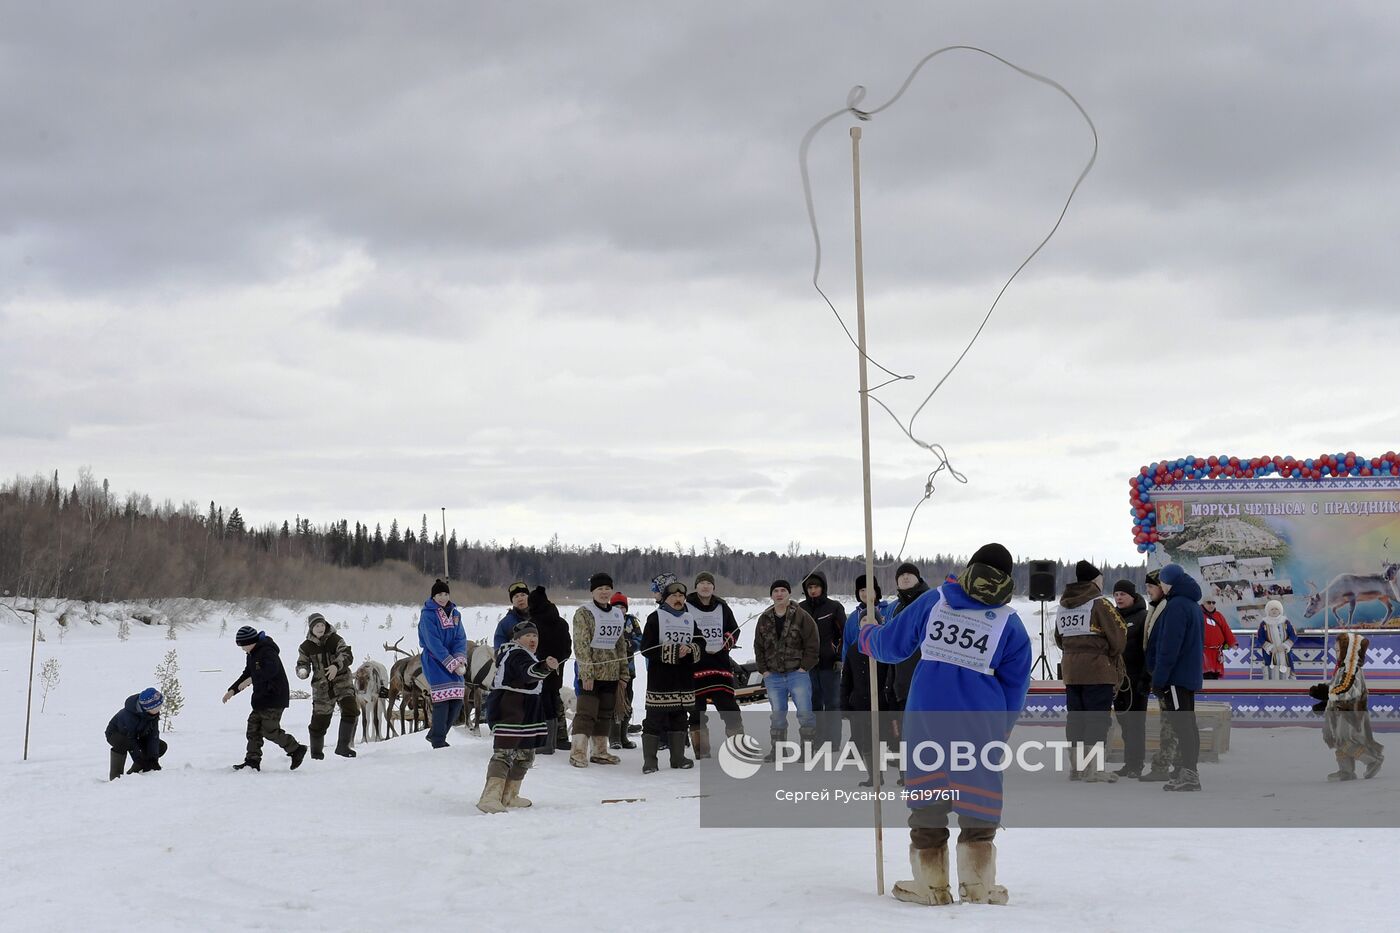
1043, 580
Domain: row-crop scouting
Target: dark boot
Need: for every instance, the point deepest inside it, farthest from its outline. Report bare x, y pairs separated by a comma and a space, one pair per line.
298, 755
775, 737
347, 735
551, 730
650, 744
625, 727
118, 763
251, 763
615, 735
320, 722
678, 759
561, 738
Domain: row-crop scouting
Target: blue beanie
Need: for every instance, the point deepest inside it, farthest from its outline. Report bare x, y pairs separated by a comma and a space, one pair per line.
150, 699
247, 635
1172, 574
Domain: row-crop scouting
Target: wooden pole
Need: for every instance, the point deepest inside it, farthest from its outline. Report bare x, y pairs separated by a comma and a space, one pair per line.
445, 568
876, 761
29, 702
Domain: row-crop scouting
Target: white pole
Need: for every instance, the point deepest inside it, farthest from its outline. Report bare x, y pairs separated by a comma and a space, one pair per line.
876, 772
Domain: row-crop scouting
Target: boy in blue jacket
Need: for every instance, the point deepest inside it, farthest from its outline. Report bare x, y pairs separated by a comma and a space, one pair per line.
974, 658
135, 731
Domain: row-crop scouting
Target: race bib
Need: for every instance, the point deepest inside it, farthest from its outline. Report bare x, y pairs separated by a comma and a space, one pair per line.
711, 626
965, 637
607, 629
1069, 622
675, 630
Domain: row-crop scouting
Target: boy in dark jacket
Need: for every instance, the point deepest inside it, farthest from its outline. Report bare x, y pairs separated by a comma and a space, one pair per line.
830, 617
271, 697
554, 642
1130, 702
1175, 656
135, 730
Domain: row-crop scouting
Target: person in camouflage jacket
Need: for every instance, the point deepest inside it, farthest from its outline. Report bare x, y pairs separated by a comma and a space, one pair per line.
785, 647
326, 659
602, 666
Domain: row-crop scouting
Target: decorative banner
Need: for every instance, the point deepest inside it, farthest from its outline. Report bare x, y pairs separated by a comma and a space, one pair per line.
1321, 536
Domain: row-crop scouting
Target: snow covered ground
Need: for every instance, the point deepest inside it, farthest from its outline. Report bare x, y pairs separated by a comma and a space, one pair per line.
392, 840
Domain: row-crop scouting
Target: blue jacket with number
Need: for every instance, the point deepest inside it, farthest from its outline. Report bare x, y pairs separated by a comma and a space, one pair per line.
949, 703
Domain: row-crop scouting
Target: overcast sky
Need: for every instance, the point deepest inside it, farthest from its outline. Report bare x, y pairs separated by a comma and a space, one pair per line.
548, 265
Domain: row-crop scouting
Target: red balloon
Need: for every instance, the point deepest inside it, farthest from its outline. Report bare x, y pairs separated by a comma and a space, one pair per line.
1249, 474
1234, 461
1151, 506
1375, 462
1395, 471
1142, 471
1365, 471
1199, 463
1213, 461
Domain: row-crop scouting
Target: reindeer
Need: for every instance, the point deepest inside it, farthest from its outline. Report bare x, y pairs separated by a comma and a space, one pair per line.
1347, 589
408, 686
371, 692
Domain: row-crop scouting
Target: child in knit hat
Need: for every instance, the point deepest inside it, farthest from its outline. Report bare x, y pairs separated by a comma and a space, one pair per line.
135, 731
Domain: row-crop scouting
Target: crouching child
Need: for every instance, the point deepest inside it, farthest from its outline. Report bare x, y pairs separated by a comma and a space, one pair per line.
1346, 727
515, 710
135, 731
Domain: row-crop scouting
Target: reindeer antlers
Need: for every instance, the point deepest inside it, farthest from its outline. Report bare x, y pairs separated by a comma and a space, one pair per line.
394, 648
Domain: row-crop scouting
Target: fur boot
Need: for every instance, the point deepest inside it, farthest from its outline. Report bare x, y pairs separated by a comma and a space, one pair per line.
977, 874
930, 883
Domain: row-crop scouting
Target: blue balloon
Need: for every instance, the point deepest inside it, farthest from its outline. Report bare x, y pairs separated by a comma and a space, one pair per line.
1145, 497
1308, 463
1151, 547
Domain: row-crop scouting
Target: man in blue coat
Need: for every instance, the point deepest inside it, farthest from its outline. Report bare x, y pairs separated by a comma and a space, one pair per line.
969, 684
1176, 660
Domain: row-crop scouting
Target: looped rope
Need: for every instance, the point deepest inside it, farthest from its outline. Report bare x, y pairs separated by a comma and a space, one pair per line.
854, 98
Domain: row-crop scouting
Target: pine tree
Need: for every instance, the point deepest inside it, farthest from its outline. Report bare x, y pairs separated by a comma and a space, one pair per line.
167, 676
235, 523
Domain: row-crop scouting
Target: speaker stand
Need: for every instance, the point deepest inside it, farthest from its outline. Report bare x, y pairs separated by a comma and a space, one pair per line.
1042, 663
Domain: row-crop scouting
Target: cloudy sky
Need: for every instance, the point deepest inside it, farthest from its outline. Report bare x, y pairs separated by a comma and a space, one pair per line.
548, 265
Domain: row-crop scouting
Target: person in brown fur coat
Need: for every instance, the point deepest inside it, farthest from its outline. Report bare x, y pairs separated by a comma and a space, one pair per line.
1347, 726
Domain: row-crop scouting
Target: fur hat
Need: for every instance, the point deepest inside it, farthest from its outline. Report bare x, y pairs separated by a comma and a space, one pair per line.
524, 628
1273, 609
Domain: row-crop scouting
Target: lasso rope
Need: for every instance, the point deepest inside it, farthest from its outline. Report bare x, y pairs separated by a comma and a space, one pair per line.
853, 100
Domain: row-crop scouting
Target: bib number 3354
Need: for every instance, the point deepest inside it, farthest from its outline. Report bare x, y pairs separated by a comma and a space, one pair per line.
965, 637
